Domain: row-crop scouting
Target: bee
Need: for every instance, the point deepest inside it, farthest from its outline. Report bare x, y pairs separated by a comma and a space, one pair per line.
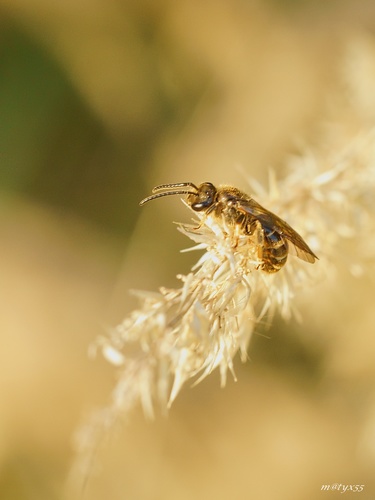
242, 212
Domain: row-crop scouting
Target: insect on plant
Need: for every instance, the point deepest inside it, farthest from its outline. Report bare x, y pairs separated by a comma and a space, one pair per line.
239, 211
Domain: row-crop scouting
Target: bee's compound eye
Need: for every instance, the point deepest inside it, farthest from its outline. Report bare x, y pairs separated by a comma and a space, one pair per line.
199, 206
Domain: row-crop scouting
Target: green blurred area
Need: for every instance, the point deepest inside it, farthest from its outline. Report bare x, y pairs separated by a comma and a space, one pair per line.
54, 147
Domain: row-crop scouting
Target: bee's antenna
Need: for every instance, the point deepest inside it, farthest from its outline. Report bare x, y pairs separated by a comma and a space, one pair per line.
175, 185
164, 187
160, 195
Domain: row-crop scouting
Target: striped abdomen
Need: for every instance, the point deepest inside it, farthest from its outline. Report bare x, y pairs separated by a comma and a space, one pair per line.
275, 251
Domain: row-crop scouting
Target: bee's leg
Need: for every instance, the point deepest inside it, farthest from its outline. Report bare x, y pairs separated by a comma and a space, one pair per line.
203, 220
260, 258
258, 238
204, 217
240, 229
236, 236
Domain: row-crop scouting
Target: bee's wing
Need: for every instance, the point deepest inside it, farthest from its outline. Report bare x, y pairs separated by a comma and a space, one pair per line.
305, 253
268, 220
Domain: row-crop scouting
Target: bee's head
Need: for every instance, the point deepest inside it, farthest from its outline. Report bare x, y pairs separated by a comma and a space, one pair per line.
200, 198
204, 198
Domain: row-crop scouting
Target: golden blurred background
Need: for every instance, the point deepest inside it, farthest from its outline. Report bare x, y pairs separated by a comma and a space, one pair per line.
100, 101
